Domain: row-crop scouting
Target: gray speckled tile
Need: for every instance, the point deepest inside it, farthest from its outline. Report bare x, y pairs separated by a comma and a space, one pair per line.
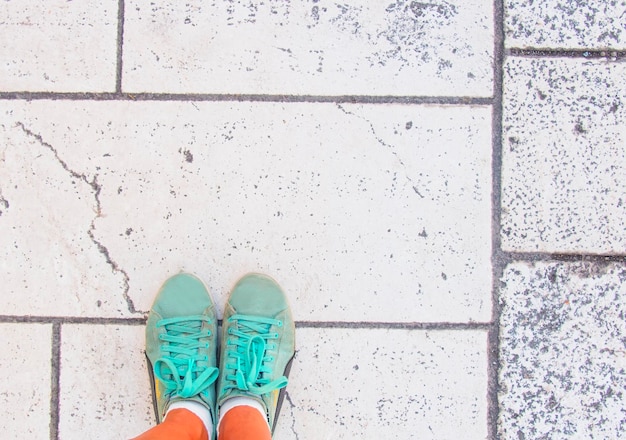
310, 47
565, 24
58, 45
564, 126
563, 351
105, 388
348, 383
376, 213
25, 351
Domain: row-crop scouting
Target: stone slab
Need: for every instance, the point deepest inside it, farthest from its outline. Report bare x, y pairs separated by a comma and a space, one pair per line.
564, 126
25, 353
345, 383
105, 387
58, 46
350, 383
361, 212
565, 24
316, 47
562, 353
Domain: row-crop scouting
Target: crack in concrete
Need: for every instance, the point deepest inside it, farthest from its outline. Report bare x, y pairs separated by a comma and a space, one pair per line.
386, 145
96, 188
293, 419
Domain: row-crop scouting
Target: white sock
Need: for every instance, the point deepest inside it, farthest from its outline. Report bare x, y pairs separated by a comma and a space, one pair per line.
198, 409
239, 401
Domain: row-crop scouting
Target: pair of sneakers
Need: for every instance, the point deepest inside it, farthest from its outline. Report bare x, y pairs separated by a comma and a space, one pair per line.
255, 350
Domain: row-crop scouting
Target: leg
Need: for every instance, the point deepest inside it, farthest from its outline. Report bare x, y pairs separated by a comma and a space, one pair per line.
258, 345
181, 348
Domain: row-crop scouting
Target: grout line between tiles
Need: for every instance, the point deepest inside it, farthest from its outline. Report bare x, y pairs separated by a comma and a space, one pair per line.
120, 47
493, 352
612, 54
59, 320
508, 257
55, 374
200, 97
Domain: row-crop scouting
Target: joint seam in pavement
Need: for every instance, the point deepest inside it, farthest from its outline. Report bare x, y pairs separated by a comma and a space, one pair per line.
497, 267
55, 379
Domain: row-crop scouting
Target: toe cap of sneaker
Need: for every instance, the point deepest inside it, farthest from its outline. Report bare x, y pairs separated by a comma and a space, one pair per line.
258, 295
182, 295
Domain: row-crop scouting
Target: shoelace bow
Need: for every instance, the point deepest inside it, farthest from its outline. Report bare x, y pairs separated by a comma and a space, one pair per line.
251, 337
179, 371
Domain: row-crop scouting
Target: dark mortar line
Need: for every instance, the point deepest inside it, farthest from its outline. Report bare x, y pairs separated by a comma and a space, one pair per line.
612, 54
120, 47
395, 325
55, 374
497, 266
96, 188
199, 97
509, 257
58, 320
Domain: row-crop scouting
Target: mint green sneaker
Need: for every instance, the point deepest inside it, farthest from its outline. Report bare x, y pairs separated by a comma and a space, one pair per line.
181, 345
258, 344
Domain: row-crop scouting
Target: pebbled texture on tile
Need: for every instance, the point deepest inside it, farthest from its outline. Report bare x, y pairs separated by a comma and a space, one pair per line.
562, 354
564, 125
346, 206
316, 47
565, 24
58, 45
105, 387
25, 351
348, 383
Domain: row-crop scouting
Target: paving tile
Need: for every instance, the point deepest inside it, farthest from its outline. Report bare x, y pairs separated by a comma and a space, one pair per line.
51, 261
349, 383
25, 351
317, 47
347, 206
563, 125
58, 46
105, 388
565, 24
563, 362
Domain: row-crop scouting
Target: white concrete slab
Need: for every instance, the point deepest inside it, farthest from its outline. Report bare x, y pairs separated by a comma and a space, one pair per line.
565, 24
564, 156
375, 213
349, 383
51, 261
562, 358
105, 387
58, 45
317, 47
25, 353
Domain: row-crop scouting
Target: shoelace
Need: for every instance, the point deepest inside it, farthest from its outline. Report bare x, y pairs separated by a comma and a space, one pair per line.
251, 337
179, 371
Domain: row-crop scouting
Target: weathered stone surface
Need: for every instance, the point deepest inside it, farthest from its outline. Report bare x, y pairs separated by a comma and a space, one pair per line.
562, 351
565, 24
316, 47
58, 46
564, 156
361, 212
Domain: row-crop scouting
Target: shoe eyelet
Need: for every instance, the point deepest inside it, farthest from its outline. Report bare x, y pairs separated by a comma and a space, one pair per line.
276, 335
280, 323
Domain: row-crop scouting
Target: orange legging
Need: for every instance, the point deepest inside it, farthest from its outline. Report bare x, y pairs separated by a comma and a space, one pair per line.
240, 423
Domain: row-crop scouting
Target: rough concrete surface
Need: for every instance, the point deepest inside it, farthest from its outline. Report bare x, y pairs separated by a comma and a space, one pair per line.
437, 185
